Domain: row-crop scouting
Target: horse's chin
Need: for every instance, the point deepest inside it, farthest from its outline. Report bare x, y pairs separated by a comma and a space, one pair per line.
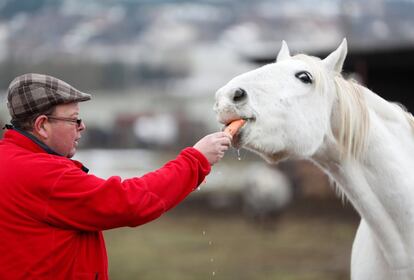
239, 141
271, 158
275, 157
243, 139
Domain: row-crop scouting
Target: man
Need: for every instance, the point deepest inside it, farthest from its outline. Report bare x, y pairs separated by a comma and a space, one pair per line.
51, 211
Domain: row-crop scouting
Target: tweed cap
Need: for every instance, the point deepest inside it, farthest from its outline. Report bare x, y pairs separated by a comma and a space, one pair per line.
31, 93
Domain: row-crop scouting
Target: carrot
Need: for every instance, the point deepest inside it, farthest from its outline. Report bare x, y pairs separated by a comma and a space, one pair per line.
234, 126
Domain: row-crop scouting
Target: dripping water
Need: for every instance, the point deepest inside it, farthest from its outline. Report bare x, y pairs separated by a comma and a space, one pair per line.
238, 154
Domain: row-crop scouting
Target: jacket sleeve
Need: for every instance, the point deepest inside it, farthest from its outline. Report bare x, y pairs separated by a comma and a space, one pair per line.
85, 202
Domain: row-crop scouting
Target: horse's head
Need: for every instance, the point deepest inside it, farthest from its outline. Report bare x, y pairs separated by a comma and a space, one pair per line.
287, 104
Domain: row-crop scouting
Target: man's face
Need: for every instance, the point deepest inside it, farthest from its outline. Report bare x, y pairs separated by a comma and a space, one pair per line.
64, 134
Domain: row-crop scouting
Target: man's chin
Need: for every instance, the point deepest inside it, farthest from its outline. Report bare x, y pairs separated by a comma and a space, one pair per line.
71, 153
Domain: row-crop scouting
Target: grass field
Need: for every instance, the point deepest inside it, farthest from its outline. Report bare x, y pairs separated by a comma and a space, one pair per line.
188, 244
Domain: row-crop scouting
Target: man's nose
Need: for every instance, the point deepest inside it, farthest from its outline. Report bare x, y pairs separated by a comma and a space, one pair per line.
82, 126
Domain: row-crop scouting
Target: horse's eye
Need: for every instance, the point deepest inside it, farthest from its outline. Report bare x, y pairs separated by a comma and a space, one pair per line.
305, 77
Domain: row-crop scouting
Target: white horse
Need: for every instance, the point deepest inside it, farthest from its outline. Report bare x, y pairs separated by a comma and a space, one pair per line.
301, 107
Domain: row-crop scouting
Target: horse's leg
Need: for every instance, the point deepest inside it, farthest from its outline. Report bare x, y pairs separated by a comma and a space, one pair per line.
367, 262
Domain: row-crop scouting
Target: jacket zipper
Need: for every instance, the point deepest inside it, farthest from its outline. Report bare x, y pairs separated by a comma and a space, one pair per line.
96, 275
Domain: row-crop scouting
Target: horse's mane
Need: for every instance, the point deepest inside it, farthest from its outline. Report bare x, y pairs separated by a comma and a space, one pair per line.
353, 115
353, 118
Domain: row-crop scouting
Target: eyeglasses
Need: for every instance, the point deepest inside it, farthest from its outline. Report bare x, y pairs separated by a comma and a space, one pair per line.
77, 121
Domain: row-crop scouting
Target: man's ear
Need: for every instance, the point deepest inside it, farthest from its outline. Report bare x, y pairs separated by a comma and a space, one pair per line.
41, 127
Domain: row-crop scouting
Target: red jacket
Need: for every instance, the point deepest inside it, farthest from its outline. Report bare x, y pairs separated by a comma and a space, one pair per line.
52, 213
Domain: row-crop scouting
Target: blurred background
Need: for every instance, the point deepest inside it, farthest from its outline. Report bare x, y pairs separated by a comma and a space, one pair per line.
153, 67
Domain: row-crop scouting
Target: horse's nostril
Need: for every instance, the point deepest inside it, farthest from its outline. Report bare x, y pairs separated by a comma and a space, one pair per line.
239, 95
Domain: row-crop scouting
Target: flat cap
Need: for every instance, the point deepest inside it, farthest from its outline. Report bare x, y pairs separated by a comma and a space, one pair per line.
32, 93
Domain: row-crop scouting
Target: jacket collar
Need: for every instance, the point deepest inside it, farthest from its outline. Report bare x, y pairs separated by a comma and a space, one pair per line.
42, 145
29, 141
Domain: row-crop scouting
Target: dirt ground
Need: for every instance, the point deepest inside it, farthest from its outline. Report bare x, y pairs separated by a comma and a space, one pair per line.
310, 241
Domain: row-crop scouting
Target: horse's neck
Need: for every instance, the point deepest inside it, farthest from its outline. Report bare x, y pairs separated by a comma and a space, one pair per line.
380, 185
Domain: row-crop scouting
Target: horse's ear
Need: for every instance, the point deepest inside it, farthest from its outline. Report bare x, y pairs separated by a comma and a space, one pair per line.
335, 60
284, 52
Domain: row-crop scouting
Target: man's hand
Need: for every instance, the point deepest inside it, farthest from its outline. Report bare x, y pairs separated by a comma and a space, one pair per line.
214, 145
